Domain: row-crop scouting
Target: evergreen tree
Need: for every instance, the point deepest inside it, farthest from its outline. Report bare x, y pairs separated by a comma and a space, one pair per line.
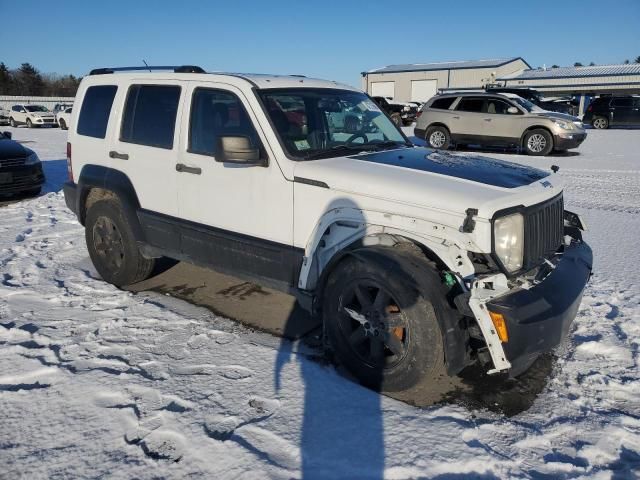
578, 64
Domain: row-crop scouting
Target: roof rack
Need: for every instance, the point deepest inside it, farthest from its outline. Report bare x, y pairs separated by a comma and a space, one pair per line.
176, 69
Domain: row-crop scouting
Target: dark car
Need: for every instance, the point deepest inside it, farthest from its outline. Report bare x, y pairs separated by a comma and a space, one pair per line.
401, 113
20, 168
614, 111
561, 105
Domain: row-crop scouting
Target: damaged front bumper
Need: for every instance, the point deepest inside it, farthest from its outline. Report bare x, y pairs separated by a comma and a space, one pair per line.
537, 316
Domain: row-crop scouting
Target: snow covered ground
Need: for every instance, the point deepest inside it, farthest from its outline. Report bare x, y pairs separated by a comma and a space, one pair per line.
97, 382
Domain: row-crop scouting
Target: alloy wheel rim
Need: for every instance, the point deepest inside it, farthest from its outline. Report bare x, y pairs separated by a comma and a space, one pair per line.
537, 142
599, 123
373, 324
108, 243
437, 139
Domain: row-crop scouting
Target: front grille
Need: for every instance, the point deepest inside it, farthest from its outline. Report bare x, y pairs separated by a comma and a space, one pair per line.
543, 230
12, 162
49, 120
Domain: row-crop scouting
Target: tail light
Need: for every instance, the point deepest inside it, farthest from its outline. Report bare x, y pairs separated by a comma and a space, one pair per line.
590, 108
69, 167
418, 113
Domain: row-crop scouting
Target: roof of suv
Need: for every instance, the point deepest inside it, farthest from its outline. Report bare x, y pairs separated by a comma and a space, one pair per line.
476, 94
256, 80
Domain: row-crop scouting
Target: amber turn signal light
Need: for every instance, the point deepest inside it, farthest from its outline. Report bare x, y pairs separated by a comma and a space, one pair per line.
500, 325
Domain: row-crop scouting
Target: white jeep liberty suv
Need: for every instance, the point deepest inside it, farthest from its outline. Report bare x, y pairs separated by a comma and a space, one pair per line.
420, 262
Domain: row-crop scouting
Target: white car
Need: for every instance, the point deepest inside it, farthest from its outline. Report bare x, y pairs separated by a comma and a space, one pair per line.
63, 117
419, 262
31, 116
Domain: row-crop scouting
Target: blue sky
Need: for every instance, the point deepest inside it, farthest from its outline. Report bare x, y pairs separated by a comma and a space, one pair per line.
329, 39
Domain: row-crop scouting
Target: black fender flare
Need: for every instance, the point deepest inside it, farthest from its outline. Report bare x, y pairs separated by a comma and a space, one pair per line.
98, 176
452, 324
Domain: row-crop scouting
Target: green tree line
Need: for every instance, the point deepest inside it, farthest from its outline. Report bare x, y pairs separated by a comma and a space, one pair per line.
27, 80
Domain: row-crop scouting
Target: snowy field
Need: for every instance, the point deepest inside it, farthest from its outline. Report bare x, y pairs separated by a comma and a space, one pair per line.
97, 382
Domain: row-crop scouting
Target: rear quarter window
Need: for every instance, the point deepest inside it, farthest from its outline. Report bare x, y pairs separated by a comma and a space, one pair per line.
150, 115
443, 103
95, 110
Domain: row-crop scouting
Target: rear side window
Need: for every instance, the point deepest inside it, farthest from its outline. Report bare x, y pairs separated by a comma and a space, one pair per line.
443, 103
150, 115
217, 113
96, 107
622, 102
470, 104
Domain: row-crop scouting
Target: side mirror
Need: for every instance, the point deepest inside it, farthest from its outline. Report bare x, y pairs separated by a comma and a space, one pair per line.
8, 135
238, 149
512, 110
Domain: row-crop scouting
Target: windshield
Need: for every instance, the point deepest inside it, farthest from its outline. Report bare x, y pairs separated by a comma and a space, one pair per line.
527, 105
323, 123
35, 108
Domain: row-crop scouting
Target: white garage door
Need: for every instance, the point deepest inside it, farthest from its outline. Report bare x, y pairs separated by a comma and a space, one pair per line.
423, 90
383, 89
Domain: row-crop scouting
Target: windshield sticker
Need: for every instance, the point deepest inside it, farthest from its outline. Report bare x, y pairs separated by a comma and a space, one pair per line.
302, 144
371, 106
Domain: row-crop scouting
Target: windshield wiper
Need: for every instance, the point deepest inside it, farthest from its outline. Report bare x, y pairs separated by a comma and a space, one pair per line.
357, 147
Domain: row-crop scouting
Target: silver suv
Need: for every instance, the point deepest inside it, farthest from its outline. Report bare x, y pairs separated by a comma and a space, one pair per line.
496, 120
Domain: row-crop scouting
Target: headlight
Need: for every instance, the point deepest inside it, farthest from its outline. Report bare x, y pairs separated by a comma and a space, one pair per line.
564, 125
509, 241
32, 159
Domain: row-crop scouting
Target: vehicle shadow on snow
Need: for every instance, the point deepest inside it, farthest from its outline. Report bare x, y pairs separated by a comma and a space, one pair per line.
420, 142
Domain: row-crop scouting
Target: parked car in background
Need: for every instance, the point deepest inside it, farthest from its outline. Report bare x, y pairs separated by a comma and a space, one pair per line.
420, 263
614, 111
401, 113
31, 116
489, 119
20, 168
4, 116
63, 118
60, 107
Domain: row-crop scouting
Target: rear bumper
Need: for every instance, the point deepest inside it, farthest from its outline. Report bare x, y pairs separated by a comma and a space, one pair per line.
538, 319
23, 178
568, 141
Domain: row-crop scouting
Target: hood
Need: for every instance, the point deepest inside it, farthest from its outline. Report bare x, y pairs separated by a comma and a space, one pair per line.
441, 180
42, 114
12, 149
560, 116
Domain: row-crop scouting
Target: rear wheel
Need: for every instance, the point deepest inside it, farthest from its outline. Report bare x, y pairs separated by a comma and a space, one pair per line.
600, 123
538, 142
396, 118
383, 328
112, 245
438, 138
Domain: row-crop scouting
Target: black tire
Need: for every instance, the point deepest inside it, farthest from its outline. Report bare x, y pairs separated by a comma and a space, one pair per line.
13, 123
407, 372
601, 123
438, 137
396, 118
112, 245
34, 192
538, 142
62, 124
29, 124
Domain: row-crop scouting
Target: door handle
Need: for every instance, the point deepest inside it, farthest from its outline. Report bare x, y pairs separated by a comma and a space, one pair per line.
456, 117
182, 168
121, 156
487, 119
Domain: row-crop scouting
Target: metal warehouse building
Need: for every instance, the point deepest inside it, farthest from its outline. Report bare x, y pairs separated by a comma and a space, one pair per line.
420, 81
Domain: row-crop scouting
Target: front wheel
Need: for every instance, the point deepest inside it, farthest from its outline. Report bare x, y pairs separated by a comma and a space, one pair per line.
29, 124
63, 124
13, 123
538, 142
382, 328
112, 245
